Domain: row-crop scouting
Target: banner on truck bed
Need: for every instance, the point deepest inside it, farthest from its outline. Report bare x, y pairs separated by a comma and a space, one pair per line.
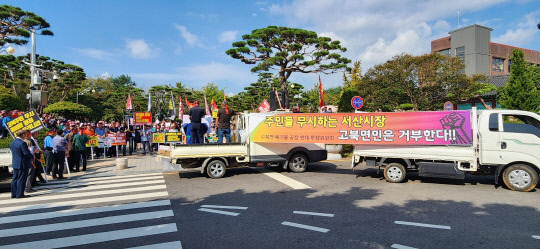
173, 137
27, 121
412, 128
143, 118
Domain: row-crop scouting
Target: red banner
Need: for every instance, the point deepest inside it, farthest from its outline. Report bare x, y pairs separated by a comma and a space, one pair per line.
143, 118
117, 138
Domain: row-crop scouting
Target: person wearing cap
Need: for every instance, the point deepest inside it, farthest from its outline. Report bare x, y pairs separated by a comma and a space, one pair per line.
36, 169
6, 119
196, 114
71, 147
223, 122
79, 150
48, 151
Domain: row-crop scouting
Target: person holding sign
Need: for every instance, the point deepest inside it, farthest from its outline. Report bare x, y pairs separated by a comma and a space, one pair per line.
21, 163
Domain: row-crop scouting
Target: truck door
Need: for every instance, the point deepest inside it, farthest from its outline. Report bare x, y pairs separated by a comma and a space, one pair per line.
520, 138
490, 142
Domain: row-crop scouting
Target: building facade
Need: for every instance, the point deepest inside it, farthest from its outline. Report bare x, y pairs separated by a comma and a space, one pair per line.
472, 44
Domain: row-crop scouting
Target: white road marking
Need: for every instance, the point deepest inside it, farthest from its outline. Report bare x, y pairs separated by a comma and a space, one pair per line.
218, 211
421, 225
82, 194
71, 212
134, 197
224, 207
84, 187
167, 245
317, 229
98, 237
398, 246
85, 223
117, 176
79, 183
283, 179
312, 213
536, 236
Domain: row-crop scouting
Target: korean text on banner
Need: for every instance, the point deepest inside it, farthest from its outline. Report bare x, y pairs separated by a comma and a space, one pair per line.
92, 141
143, 118
173, 137
158, 138
117, 138
27, 121
411, 128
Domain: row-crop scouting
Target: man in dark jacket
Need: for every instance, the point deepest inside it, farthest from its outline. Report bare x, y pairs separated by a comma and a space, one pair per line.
196, 114
21, 163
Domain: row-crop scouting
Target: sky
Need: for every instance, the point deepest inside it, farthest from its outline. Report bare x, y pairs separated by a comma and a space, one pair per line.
163, 42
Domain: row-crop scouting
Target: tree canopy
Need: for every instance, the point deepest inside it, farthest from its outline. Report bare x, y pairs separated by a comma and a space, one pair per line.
288, 50
16, 25
519, 93
68, 110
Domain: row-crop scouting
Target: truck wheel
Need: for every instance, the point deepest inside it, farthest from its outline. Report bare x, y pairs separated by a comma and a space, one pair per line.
520, 177
216, 168
298, 163
395, 172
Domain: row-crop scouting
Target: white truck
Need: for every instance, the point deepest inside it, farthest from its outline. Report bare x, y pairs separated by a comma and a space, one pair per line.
505, 143
5, 160
214, 159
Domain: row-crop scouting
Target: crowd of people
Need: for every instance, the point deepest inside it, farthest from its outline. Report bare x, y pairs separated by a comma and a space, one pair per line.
65, 143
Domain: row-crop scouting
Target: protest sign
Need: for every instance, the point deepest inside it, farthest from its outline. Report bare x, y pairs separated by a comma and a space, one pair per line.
143, 118
92, 141
158, 138
27, 121
117, 138
173, 137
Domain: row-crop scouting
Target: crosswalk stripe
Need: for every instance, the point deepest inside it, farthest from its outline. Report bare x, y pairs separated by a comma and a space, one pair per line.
218, 211
104, 178
161, 194
86, 223
117, 176
224, 207
167, 245
81, 194
78, 183
72, 212
92, 187
98, 237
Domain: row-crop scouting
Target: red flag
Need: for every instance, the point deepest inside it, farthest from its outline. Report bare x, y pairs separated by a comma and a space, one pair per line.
128, 104
321, 93
264, 106
189, 105
206, 107
213, 104
180, 109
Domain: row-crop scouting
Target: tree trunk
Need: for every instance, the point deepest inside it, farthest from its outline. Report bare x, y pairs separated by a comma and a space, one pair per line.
283, 84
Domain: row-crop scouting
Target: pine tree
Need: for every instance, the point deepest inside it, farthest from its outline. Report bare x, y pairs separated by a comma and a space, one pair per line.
519, 93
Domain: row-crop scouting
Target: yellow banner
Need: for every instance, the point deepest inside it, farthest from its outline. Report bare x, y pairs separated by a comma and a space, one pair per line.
158, 138
92, 141
173, 137
27, 121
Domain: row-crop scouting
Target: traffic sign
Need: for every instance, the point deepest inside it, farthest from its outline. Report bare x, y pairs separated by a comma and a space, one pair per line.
448, 106
357, 102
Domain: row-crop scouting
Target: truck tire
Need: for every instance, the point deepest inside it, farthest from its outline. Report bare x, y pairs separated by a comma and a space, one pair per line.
216, 169
298, 163
520, 177
395, 172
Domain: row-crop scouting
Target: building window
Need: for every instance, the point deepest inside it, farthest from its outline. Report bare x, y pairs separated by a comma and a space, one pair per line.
497, 65
509, 65
445, 52
460, 53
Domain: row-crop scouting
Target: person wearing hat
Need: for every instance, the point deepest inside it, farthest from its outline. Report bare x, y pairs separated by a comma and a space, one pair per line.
6, 119
48, 150
1, 126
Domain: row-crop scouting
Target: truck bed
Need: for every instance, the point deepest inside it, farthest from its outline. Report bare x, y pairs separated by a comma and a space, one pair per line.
208, 150
436, 153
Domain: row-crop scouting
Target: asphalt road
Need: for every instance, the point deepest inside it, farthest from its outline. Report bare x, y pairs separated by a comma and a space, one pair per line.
330, 206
